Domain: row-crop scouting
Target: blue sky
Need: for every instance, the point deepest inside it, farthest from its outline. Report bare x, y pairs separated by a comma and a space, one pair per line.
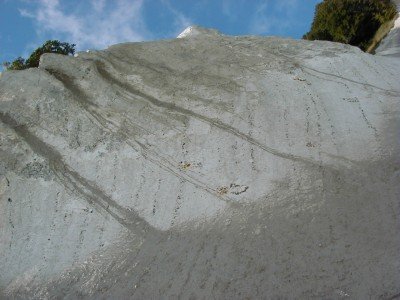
95, 24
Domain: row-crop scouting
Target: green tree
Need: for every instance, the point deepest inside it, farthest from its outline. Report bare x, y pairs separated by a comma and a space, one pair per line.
51, 46
18, 64
351, 22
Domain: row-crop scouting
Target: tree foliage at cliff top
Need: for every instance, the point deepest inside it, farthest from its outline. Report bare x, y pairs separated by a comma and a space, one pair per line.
351, 22
51, 46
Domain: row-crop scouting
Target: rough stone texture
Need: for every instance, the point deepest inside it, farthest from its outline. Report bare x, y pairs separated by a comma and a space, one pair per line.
200, 167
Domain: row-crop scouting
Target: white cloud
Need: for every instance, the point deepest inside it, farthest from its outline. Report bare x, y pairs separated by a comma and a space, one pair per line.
273, 16
181, 21
232, 8
98, 5
227, 8
94, 28
287, 5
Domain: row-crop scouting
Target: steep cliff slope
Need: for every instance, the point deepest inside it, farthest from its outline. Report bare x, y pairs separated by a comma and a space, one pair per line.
204, 166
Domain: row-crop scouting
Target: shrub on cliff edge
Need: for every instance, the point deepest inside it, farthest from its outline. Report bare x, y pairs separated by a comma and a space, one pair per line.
351, 22
51, 46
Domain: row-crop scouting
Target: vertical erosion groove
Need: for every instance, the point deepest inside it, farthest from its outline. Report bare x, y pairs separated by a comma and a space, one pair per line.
74, 182
148, 154
213, 122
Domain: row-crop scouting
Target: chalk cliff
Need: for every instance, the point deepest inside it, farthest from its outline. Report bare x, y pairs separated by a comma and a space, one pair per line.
203, 166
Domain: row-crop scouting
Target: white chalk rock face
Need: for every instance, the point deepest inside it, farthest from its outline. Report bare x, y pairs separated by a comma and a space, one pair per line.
200, 167
194, 30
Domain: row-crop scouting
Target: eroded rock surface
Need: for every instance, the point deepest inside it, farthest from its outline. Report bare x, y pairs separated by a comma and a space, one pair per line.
204, 166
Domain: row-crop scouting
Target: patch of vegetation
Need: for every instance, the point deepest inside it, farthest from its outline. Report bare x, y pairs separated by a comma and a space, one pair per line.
353, 22
51, 46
